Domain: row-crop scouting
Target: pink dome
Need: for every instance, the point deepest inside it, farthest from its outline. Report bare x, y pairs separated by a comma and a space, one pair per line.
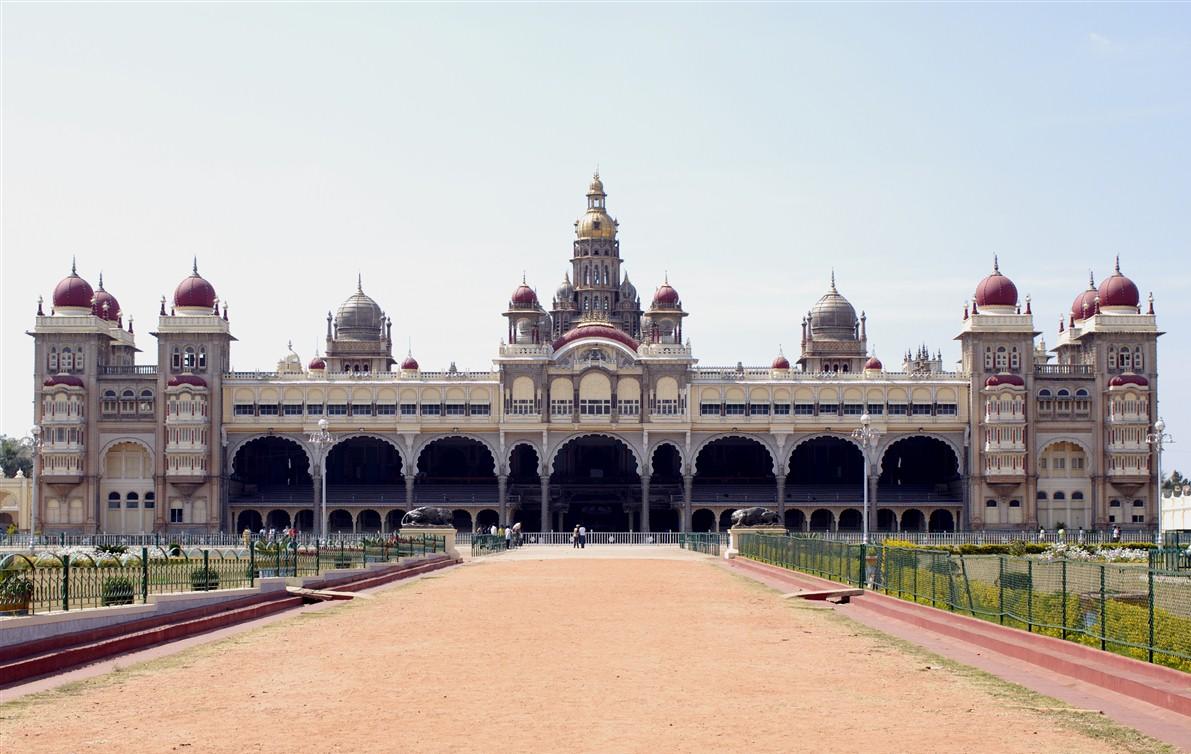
524, 295
410, 363
873, 363
781, 362
1118, 290
63, 379
1128, 379
194, 292
112, 312
665, 295
996, 289
186, 379
1004, 379
593, 330
73, 292
1085, 301
317, 363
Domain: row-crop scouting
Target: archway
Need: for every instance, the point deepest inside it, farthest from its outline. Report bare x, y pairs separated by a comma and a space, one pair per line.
703, 520
825, 470
886, 520
393, 519
795, 519
850, 519
461, 520
128, 488
913, 520
6, 520
339, 521
942, 520
726, 519
304, 520
734, 470
596, 478
365, 470
277, 519
821, 520
368, 521
665, 489
454, 470
250, 520
271, 469
486, 519
919, 469
525, 486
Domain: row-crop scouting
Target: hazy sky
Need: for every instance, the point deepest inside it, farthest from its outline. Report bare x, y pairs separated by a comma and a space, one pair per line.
442, 150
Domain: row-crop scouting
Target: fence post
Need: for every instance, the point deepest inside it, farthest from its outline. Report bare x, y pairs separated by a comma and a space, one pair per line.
862, 580
364, 548
318, 557
1103, 614
206, 570
1030, 596
144, 574
65, 582
1064, 597
251, 564
1150, 648
1001, 589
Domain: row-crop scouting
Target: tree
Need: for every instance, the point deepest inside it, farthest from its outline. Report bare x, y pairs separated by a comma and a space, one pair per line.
16, 454
1174, 480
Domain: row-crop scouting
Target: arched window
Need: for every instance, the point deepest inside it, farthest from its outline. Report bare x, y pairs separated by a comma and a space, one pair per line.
1044, 393
202, 357
1064, 393
1041, 494
1060, 496
1125, 359
1112, 357
188, 358
1138, 364
78, 359
1081, 393
150, 500
990, 503
1077, 495
177, 359
1002, 357
132, 500
114, 501
1014, 359
67, 362
53, 359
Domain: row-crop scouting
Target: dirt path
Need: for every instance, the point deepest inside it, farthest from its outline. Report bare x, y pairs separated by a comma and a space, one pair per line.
510, 654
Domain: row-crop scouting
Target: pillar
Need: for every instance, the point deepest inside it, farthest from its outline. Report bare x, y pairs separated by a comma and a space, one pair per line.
502, 496
688, 481
872, 504
409, 492
558, 515
545, 504
644, 503
781, 497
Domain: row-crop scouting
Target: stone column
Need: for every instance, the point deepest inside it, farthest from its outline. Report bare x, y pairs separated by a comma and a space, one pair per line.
502, 496
409, 492
644, 503
872, 504
688, 481
781, 497
545, 504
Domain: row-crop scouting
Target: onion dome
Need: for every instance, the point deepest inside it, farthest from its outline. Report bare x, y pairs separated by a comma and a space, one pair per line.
317, 364
1084, 304
1121, 380
565, 289
780, 362
179, 380
595, 330
195, 293
1005, 379
833, 317
665, 295
105, 304
359, 317
66, 380
524, 295
596, 223
72, 292
1116, 290
873, 364
628, 291
409, 363
996, 289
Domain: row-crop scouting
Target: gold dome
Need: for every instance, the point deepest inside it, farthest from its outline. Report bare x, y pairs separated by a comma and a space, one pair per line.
595, 223
596, 186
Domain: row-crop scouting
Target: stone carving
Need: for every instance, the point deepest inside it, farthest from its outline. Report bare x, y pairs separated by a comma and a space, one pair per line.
755, 517
427, 516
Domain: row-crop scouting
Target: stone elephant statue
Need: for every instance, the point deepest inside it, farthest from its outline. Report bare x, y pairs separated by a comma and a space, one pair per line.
427, 516
755, 517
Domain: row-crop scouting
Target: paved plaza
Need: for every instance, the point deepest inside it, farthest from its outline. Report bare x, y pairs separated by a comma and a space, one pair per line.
609, 649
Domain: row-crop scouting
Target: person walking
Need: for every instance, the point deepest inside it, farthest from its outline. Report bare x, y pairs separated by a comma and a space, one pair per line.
1042, 534
575, 538
582, 537
508, 537
1116, 534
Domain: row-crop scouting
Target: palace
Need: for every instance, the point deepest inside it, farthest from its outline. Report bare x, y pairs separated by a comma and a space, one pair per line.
596, 412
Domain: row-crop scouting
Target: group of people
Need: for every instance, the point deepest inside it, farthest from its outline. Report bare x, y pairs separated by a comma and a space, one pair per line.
270, 535
579, 537
510, 534
1061, 534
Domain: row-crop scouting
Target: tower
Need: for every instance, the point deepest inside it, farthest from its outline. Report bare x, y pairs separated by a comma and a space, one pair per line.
833, 337
360, 337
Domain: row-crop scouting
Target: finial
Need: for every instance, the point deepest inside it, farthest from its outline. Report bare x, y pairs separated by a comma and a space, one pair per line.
40, 300
665, 277
162, 306
194, 267
1117, 266
359, 282
225, 311
1151, 300
130, 324
523, 277
289, 345
73, 271
1028, 310
1091, 281
101, 280
833, 278
996, 264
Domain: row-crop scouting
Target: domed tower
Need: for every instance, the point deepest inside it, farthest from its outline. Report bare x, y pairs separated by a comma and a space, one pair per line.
360, 336
599, 290
833, 337
663, 322
529, 324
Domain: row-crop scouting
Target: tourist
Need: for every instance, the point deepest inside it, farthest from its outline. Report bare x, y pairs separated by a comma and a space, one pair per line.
1116, 534
1080, 535
582, 537
508, 537
1042, 534
492, 530
1061, 534
575, 538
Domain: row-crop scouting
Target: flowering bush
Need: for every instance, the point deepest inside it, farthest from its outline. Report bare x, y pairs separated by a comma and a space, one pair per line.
1066, 551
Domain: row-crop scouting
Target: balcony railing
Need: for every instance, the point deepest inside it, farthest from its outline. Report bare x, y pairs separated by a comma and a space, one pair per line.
1064, 370
148, 370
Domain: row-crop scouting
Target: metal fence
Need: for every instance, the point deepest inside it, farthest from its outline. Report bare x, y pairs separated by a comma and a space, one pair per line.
708, 544
488, 544
1051, 536
1132, 609
45, 582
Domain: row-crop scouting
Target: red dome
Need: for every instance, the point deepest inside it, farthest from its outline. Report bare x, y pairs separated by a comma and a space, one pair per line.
186, 379
595, 331
1118, 290
1004, 379
996, 290
194, 292
524, 295
409, 363
1085, 300
665, 295
781, 362
873, 363
63, 379
112, 312
73, 291
1128, 379
317, 363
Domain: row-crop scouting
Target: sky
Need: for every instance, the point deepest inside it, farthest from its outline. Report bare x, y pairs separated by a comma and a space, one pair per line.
441, 151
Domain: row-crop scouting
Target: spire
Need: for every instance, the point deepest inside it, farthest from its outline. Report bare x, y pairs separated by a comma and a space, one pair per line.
359, 282
194, 267
40, 300
1091, 281
833, 279
73, 271
1151, 299
101, 280
996, 265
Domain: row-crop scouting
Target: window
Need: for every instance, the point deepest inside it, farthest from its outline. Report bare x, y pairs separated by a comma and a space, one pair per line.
150, 500
386, 409
662, 406
431, 409
132, 501
898, 409
734, 409
1014, 359
631, 407
188, 359
292, 409
875, 409
409, 409
1138, 364
1060, 496
244, 409
202, 358
1138, 504
594, 407
53, 359
988, 357
176, 361
113, 501
1002, 357
990, 503
518, 407
268, 409
480, 409
67, 362
781, 409
314, 409
1139, 519
853, 409
1081, 393
1041, 494
920, 409
1115, 504
804, 409
456, 409
1125, 359
146, 406
1014, 503
1044, 393
361, 409
709, 409
336, 409
759, 409
1077, 495
176, 515
829, 409
109, 405
947, 409
1060, 463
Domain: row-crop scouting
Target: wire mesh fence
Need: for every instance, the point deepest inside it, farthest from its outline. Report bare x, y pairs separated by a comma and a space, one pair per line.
706, 543
1138, 609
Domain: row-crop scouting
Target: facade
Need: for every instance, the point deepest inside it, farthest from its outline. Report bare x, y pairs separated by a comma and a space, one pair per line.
596, 411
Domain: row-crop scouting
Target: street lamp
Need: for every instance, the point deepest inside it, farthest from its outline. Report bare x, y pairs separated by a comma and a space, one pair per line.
867, 436
321, 439
1158, 438
33, 497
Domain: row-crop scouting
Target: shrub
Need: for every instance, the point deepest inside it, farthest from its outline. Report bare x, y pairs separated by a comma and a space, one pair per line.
15, 589
343, 560
204, 579
116, 590
174, 549
112, 549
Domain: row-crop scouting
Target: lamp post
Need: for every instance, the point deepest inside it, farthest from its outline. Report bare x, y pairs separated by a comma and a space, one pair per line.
1158, 438
321, 439
33, 496
867, 436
